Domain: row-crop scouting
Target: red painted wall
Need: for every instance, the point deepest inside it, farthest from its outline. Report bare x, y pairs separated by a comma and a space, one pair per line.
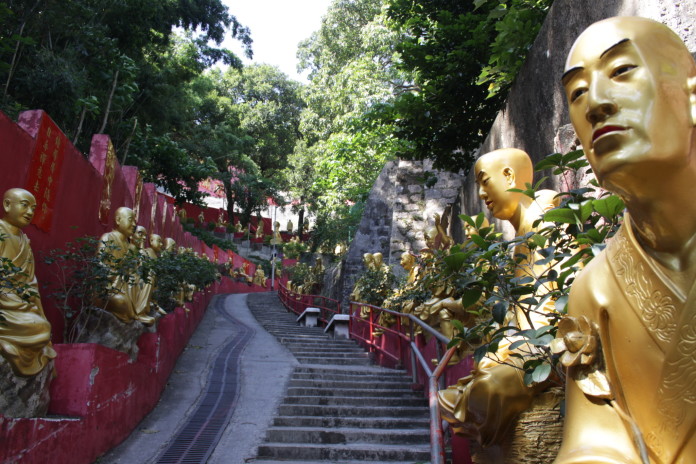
102, 393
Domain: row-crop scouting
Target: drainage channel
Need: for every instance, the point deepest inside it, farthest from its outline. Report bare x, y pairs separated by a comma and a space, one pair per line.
198, 437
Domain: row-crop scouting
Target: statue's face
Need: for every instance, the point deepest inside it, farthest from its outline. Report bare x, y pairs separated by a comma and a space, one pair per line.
156, 242
493, 184
407, 260
628, 101
169, 244
139, 236
125, 221
19, 208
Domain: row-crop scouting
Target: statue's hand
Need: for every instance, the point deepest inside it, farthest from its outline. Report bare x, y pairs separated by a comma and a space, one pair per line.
484, 405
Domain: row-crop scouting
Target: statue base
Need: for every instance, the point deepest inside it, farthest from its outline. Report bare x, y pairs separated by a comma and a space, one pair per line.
535, 439
24, 396
102, 327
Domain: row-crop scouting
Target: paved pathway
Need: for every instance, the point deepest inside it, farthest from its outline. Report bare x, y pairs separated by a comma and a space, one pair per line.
265, 368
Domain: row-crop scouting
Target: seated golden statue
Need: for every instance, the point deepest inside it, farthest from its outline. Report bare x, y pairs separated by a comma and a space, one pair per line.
259, 277
155, 248
131, 301
629, 339
25, 334
259, 229
201, 218
484, 405
437, 238
221, 219
238, 227
289, 226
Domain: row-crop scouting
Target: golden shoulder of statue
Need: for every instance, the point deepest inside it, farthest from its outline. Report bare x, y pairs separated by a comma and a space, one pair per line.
25, 334
631, 90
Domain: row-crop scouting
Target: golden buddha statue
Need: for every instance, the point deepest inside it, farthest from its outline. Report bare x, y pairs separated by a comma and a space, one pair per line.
138, 238
221, 219
289, 226
25, 334
156, 246
170, 245
130, 301
259, 277
628, 341
484, 405
259, 229
238, 227
201, 218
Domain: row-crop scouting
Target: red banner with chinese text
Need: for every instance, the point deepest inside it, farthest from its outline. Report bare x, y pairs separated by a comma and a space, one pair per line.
109, 173
44, 171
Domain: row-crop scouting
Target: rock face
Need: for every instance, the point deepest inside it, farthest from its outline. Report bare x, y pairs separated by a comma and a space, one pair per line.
102, 327
399, 210
24, 396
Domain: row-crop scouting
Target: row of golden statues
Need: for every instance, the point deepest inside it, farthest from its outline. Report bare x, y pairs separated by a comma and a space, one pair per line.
629, 336
25, 333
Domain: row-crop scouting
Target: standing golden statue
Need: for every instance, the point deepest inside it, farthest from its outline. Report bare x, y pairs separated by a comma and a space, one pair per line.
25, 334
629, 339
484, 405
289, 226
131, 300
277, 238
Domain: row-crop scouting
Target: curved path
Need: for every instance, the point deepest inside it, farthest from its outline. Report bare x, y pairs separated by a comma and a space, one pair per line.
230, 365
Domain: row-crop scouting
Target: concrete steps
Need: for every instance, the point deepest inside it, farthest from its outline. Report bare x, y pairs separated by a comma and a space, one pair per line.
339, 408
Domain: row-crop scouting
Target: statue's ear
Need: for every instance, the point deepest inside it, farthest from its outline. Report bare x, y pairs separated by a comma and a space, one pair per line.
509, 174
691, 86
6, 204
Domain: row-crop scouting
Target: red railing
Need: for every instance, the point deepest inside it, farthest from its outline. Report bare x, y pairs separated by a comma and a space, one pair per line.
366, 329
297, 303
394, 345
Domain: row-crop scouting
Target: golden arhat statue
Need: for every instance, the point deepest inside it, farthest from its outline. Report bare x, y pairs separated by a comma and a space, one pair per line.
289, 226
277, 238
629, 339
155, 246
170, 245
130, 301
259, 229
25, 334
484, 405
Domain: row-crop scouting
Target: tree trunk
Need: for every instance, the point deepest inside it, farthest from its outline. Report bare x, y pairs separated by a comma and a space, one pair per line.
227, 184
14, 61
79, 126
108, 104
300, 222
128, 141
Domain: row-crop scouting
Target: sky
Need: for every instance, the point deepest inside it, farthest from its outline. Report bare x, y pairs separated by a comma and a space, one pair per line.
277, 26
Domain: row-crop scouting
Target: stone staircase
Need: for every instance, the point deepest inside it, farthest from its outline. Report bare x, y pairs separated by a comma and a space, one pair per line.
339, 408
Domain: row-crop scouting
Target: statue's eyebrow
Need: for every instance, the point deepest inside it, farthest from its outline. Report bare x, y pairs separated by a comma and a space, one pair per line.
480, 175
575, 69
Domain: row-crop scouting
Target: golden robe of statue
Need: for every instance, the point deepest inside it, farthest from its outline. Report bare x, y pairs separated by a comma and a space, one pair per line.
131, 301
484, 405
629, 340
25, 334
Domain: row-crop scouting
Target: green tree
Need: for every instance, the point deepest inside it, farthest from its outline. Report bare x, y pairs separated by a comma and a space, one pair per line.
463, 56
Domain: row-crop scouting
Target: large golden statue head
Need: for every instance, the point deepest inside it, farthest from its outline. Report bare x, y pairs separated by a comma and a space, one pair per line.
125, 221
408, 260
498, 171
630, 87
19, 206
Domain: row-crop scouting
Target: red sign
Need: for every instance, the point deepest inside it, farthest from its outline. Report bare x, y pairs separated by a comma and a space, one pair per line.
44, 171
109, 173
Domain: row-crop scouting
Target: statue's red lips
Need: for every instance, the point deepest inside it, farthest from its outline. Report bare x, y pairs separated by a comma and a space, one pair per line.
605, 130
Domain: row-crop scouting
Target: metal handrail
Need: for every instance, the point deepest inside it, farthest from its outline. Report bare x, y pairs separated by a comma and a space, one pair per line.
297, 303
437, 439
